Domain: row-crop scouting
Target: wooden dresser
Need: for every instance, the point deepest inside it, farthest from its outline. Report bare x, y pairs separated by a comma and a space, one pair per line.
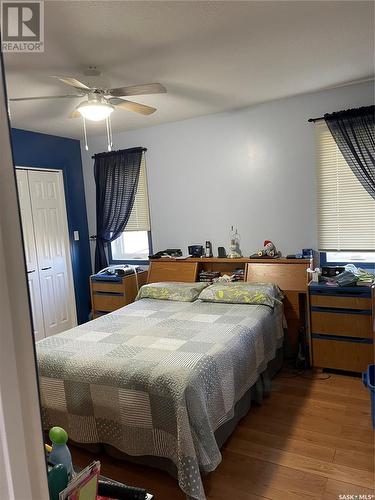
109, 295
289, 274
342, 326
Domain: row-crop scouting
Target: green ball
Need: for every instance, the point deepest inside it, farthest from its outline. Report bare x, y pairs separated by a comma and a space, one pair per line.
58, 435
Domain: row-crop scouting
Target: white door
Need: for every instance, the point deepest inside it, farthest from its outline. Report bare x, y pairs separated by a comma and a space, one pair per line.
30, 254
53, 252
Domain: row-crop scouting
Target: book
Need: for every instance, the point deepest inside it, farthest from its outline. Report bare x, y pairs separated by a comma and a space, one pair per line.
84, 485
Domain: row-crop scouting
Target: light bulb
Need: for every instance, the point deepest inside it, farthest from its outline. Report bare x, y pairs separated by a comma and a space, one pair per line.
95, 111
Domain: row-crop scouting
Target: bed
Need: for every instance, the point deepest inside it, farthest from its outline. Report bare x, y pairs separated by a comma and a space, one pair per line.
160, 379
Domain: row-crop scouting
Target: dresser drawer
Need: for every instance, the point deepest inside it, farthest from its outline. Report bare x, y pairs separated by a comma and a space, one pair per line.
343, 324
105, 286
342, 354
340, 302
107, 302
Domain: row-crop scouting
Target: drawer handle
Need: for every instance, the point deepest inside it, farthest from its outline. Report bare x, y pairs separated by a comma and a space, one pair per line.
341, 310
357, 340
114, 294
46, 268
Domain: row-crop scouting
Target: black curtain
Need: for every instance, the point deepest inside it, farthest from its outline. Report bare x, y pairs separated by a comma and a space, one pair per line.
116, 177
354, 133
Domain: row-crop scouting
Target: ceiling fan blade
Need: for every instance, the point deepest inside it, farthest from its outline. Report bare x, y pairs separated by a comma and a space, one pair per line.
132, 106
74, 114
73, 82
147, 88
45, 97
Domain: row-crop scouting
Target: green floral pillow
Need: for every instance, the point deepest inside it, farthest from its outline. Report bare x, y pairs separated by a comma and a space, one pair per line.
240, 293
183, 292
270, 288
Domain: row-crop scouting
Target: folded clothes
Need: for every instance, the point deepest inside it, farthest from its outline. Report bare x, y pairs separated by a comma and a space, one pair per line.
364, 276
351, 276
346, 278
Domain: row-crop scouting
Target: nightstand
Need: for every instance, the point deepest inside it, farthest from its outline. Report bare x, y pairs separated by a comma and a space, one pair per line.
342, 326
114, 292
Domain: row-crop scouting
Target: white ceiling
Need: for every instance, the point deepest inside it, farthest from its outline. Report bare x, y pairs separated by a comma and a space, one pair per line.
211, 56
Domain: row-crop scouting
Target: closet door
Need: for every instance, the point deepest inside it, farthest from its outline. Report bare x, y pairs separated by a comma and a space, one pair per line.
52, 245
30, 254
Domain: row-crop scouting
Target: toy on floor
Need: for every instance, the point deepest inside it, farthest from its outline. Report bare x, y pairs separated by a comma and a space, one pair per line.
57, 481
60, 453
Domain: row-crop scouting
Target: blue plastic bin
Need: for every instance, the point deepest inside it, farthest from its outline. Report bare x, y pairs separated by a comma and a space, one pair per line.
368, 379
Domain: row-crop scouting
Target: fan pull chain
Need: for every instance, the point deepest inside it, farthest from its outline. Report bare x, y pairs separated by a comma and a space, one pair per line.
110, 130
85, 133
109, 147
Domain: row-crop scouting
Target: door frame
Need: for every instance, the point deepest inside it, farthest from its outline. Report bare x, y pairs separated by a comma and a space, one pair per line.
23, 470
67, 242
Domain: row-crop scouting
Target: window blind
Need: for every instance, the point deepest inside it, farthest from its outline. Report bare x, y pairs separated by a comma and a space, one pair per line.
139, 219
346, 212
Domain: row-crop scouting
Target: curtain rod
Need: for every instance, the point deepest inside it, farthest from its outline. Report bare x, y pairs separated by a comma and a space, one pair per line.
117, 151
313, 120
362, 111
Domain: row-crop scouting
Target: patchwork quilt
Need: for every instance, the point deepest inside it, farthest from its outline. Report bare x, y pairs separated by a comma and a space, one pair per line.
158, 378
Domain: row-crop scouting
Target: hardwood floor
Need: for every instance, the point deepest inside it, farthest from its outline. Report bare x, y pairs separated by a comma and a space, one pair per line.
311, 438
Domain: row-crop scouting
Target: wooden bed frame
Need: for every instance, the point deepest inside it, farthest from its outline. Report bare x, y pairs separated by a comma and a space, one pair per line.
290, 275
161, 270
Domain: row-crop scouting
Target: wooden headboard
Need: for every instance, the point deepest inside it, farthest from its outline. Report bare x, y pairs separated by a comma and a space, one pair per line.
163, 270
288, 276
292, 278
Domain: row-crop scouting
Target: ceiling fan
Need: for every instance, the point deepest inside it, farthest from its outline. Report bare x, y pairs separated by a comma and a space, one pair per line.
101, 102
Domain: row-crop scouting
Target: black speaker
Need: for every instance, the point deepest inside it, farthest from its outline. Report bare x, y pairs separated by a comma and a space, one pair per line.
221, 252
331, 271
196, 250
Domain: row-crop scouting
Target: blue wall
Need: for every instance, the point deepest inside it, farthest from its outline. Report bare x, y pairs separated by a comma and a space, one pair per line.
32, 149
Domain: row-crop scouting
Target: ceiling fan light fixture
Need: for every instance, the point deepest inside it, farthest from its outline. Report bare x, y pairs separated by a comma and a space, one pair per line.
95, 111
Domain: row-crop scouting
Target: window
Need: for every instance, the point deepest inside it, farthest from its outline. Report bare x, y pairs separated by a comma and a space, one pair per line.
356, 257
346, 212
135, 242
131, 245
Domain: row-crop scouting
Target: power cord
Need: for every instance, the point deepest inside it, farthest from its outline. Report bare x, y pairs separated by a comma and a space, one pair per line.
134, 269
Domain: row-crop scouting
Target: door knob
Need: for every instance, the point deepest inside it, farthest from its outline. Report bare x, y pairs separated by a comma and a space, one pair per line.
45, 268
32, 271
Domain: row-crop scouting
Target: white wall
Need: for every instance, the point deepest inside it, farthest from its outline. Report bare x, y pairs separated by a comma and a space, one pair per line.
253, 168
